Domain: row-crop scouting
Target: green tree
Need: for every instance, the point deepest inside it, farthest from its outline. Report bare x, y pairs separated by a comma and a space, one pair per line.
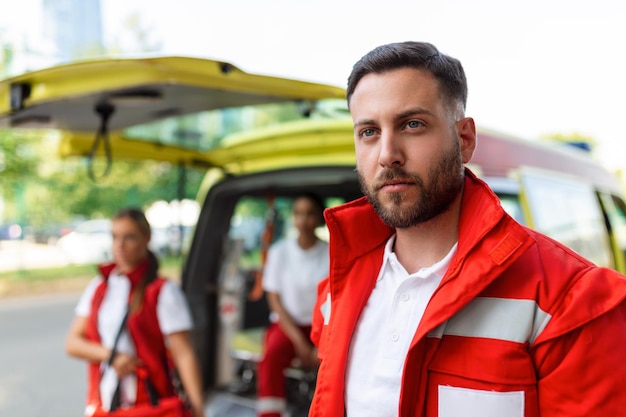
136, 183
19, 167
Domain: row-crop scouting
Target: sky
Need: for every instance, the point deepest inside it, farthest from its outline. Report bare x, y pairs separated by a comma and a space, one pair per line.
534, 67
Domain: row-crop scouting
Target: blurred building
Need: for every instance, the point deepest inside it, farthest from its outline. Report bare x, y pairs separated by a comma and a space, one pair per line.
39, 33
74, 26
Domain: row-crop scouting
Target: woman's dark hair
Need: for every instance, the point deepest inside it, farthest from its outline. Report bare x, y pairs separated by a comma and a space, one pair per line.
316, 200
138, 217
424, 56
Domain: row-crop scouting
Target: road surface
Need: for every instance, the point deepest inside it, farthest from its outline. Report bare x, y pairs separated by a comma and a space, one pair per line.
37, 379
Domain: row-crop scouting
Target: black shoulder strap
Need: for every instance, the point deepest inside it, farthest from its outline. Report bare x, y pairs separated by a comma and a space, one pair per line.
117, 339
115, 401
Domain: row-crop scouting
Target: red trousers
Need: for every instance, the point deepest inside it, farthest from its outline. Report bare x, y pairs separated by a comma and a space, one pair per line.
278, 354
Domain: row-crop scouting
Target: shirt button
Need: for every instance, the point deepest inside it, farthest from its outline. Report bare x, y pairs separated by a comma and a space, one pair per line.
404, 297
395, 337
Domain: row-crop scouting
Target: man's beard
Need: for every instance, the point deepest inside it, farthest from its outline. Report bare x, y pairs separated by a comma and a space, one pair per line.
434, 198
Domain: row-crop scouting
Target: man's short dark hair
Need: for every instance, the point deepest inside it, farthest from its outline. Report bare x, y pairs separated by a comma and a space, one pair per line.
424, 56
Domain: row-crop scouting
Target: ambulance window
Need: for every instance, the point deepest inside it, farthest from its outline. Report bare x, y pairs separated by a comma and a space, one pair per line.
615, 211
567, 209
247, 226
618, 220
510, 204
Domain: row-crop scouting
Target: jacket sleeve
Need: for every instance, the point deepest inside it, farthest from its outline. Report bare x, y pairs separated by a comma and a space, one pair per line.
323, 292
582, 372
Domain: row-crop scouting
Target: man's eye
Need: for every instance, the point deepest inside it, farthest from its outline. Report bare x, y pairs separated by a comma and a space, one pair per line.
367, 132
414, 124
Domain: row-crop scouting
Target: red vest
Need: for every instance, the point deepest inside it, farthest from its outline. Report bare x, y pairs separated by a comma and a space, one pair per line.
144, 330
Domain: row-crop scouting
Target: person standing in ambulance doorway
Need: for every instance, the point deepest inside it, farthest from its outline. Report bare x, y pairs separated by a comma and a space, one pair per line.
438, 303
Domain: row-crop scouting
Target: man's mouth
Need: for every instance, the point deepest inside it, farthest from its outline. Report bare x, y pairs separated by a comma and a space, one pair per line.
394, 185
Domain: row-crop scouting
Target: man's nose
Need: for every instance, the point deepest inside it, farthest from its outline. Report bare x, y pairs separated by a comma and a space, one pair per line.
391, 152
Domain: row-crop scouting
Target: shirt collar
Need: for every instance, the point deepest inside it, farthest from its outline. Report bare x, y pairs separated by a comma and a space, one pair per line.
438, 268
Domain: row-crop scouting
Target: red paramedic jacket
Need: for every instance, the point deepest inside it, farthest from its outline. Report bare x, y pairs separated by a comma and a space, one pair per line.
520, 325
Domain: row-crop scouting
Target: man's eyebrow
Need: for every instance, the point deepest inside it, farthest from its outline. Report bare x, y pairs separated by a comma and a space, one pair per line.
364, 122
416, 111
413, 112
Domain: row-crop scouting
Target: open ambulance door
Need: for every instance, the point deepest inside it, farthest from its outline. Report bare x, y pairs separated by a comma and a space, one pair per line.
173, 109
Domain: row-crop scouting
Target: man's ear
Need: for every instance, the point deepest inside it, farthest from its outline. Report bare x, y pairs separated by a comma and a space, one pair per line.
466, 133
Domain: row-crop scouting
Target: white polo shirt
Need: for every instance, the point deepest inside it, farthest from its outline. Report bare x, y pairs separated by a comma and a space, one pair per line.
172, 313
294, 273
384, 332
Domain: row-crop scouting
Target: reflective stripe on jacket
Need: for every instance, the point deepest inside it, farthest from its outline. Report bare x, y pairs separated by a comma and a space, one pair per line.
520, 325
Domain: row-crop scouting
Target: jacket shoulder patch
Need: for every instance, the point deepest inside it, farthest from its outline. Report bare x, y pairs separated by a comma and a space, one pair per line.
507, 246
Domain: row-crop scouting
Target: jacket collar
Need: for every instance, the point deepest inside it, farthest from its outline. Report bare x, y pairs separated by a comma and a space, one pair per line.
480, 212
487, 235
347, 223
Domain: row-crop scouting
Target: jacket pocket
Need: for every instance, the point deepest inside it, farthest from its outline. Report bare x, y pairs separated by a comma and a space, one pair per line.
457, 402
483, 377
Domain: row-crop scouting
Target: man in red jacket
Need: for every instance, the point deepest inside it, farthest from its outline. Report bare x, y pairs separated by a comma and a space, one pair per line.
444, 305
